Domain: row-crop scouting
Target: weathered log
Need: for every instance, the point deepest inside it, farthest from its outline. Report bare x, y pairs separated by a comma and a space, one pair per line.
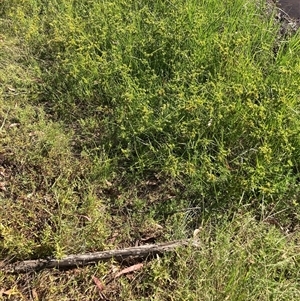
288, 15
290, 7
78, 260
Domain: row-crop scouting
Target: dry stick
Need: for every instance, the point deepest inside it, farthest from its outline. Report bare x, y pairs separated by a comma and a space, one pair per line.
71, 261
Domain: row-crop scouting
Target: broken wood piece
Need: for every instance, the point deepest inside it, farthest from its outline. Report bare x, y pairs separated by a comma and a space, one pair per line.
72, 261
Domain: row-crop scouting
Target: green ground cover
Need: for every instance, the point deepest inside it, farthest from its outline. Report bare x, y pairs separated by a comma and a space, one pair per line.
127, 120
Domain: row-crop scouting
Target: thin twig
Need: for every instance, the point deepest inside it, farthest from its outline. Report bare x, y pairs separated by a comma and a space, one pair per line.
72, 261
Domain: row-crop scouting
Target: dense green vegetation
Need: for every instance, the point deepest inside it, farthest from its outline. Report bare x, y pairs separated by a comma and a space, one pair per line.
124, 120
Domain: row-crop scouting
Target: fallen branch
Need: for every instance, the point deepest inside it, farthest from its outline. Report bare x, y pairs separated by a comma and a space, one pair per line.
72, 261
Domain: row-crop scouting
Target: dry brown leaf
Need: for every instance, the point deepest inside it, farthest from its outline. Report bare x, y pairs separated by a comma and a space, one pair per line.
149, 239
10, 292
130, 269
2, 186
98, 283
109, 184
34, 295
12, 125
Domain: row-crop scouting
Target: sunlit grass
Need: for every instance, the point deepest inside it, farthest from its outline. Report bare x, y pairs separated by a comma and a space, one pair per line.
126, 120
